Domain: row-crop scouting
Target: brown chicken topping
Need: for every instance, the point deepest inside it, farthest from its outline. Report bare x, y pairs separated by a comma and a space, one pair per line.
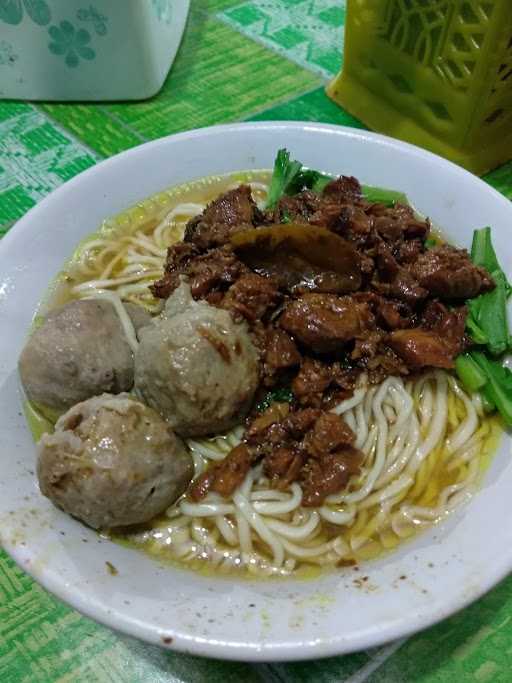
310, 446
330, 285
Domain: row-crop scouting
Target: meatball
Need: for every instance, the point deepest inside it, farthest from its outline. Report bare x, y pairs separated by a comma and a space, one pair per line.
112, 461
196, 366
80, 351
138, 315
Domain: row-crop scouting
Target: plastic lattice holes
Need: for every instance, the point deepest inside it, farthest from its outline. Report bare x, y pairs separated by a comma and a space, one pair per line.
499, 106
434, 72
414, 28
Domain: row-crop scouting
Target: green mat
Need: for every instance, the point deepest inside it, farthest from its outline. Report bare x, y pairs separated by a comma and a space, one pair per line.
281, 53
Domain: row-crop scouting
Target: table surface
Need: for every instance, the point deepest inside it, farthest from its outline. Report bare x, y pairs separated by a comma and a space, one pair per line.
281, 54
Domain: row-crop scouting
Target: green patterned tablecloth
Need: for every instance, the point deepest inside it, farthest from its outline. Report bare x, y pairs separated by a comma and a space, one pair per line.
280, 54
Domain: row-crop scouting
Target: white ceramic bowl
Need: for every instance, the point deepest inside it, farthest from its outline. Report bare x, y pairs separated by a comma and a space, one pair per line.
445, 568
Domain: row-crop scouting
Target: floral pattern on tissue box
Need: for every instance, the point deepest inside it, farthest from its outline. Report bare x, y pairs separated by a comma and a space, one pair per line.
76, 32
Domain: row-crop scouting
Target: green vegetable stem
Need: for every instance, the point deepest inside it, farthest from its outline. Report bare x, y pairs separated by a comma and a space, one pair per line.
378, 195
283, 395
488, 327
487, 321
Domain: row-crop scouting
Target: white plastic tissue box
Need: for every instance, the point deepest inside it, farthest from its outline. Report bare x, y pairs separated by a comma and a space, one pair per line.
88, 49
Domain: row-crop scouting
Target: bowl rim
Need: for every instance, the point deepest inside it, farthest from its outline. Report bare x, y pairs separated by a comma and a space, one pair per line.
220, 129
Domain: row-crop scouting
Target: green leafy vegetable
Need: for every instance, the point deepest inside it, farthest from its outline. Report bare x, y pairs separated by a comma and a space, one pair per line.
469, 372
488, 327
379, 195
290, 177
312, 180
483, 254
497, 389
430, 243
284, 175
487, 406
487, 320
283, 395
285, 217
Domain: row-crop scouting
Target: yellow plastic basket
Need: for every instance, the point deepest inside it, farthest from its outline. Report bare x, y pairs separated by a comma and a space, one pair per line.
437, 73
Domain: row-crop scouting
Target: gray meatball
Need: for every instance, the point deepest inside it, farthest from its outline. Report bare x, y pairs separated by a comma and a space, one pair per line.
138, 315
112, 461
196, 366
80, 351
